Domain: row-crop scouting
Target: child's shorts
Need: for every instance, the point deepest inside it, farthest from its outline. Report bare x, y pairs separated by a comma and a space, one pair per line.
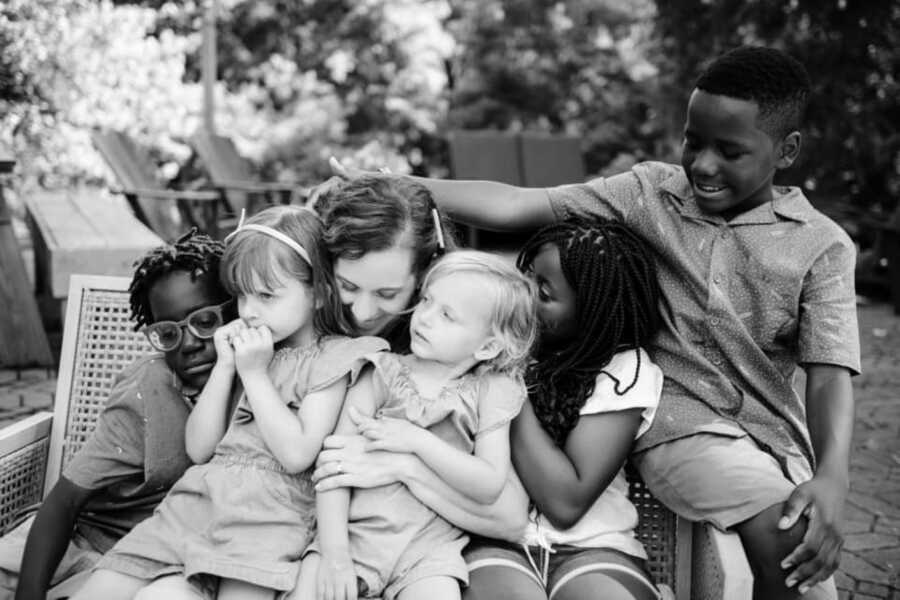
551, 570
721, 479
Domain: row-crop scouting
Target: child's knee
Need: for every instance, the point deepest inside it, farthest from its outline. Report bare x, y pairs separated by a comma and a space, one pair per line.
766, 545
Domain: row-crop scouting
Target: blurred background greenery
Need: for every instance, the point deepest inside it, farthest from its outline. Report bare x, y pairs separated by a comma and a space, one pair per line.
381, 82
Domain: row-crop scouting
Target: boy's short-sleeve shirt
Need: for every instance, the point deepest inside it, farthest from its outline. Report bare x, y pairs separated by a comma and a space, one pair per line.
135, 454
743, 303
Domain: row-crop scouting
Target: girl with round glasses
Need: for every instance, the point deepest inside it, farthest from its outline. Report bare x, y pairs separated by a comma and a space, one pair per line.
237, 522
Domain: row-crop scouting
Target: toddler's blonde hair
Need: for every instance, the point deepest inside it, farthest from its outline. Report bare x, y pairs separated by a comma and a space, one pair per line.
512, 295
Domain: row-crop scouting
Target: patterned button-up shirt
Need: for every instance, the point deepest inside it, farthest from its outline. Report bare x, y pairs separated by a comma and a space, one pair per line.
743, 303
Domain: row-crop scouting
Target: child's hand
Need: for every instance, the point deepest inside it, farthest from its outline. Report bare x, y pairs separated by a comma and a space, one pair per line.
222, 341
253, 350
393, 435
821, 499
337, 578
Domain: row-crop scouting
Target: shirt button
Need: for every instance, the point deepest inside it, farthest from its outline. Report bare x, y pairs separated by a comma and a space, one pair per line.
717, 360
715, 321
724, 233
717, 279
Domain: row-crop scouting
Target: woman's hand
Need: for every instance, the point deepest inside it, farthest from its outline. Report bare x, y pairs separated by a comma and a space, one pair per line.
344, 462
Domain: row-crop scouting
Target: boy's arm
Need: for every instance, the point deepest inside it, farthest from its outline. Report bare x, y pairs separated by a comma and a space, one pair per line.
490, 204
479, 476
337, 575
49, 537
829, 416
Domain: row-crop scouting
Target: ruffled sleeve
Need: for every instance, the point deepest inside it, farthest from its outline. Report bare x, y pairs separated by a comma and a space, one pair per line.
610, 393
500, 399
341, 356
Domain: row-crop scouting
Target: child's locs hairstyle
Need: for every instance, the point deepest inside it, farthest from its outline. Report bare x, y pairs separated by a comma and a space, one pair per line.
255, 262
374, 212
777, 83
617, 295
513, 308
194, 252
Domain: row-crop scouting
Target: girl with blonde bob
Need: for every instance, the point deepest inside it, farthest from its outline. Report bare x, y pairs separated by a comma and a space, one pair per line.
450, 402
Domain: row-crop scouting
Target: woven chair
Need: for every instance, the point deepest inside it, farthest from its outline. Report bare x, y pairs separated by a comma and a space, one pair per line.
99, 341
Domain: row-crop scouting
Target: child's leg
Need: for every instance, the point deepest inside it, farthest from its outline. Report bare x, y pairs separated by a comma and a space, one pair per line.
499, 571
733, 484
306, 582
171, 587
110, 585
589, 573
232, 589
433, 588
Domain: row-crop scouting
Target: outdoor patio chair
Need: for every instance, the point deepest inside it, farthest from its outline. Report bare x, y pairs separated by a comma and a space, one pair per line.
233, 176
696, 561
529, 159
151, 202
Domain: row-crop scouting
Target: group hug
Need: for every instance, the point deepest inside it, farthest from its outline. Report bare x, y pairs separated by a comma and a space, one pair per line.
343, 403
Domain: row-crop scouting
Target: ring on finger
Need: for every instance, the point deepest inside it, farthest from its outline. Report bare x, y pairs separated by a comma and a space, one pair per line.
338, 467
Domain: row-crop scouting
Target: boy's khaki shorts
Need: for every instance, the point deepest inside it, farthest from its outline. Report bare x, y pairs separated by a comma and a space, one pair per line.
721, 479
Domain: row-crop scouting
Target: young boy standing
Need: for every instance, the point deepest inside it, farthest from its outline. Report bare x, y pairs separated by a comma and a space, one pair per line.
137, 450
755, 282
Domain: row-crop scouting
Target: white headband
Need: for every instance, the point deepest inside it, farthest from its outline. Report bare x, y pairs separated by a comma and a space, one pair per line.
274, 233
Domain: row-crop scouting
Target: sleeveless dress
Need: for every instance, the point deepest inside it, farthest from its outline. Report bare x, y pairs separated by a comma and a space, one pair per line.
240, 515
394, 538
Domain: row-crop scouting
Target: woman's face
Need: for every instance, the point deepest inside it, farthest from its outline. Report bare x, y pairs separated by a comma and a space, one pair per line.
376, 286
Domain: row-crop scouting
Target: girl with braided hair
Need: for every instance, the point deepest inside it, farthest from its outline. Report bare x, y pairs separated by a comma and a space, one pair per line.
592, 390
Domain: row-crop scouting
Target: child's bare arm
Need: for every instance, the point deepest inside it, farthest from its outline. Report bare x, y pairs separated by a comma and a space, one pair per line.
491, 204
49, 537
565, 482
211, 414
479, 476
336, 576
829, 416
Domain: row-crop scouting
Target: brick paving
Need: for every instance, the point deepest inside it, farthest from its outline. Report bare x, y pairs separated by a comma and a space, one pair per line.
870, 566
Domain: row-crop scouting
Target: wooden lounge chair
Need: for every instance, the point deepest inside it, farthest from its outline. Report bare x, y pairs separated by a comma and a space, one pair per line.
151, 202
233, 176
695, 562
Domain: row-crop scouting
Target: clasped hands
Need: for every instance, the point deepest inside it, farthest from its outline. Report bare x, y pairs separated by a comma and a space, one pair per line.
245, 348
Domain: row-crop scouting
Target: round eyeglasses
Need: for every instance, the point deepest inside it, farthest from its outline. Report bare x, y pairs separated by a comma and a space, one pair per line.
166, 336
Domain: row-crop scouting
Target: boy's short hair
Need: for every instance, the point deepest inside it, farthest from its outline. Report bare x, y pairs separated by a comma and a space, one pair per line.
513, 298
776, 82
194, 252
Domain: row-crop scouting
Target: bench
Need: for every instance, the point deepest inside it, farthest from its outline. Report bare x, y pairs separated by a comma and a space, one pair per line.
83, 230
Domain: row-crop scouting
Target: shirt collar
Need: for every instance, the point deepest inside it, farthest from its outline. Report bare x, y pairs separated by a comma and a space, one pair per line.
787, 203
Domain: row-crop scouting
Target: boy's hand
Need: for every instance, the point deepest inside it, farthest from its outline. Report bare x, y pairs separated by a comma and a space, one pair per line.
821, 499
392, 435
336, 579
253, 350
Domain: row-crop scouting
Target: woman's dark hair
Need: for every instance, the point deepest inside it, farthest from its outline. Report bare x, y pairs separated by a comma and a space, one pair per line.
194, 252
614, 278
374, 212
